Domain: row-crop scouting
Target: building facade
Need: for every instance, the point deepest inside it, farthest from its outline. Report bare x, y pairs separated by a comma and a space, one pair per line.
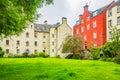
113, 18
20, 44
92, 27
38, 38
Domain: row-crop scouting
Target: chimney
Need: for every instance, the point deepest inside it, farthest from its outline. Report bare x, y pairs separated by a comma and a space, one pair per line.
45, 22
64, 20
86, 8
80, 16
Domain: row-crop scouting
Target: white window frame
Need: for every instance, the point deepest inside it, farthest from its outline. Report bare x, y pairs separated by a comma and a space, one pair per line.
94, 35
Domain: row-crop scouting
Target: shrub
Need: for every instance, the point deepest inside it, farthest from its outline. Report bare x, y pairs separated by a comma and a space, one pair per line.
33, 55
25, 54
9, 55
18, 56
117, 59
57, 56
110, 49
43, 54
76, 56
95, 53
1, 52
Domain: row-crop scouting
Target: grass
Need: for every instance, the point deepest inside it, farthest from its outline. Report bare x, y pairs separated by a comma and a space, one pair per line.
57, 69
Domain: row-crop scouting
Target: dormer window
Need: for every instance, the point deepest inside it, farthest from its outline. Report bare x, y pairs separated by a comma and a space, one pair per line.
82, 21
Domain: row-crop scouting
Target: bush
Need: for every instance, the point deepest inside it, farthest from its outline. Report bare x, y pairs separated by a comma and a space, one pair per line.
33, 55
57, 56
76, 56
116, 59
18, 56
95, 53
110, 49
1, 52
9, 55
43, 54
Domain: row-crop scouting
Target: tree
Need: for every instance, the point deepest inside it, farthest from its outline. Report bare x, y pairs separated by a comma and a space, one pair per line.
15, 14
112, 48
72, 44
115, 34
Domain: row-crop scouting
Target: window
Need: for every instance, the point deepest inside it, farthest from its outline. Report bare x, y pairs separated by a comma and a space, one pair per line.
109, 23
77, 31
35, 43
52, 50
85, 38
82, 29
88, 18
94, 24
17, 51
7, 42
27, 51
7, 51
88, 27
27, 43
110, 12
118, 8
52, 43
52, 35
27, 34
31, 26
35, 35
118, 20
94, 35
110, 34
18, 42
44, 44
44, 36
35, 51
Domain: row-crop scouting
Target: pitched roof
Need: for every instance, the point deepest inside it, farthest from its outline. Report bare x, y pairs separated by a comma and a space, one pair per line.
42, 28
45, 27
98, 11
115, 4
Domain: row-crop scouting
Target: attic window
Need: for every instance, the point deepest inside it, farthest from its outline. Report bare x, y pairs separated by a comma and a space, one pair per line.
82, 21
95, 13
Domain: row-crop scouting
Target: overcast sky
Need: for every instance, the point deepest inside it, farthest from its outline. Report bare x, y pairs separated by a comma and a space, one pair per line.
71, 9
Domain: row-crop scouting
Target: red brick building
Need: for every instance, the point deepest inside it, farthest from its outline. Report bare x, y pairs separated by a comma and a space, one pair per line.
92, 27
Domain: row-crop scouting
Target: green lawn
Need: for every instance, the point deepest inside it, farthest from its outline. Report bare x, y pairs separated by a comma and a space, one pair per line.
57, 69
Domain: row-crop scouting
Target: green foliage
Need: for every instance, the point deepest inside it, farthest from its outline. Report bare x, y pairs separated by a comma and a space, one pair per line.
111, 49
72, 44
9, 55
95, 53
57, 69
76, 56
1, 52
15, 14
43, 54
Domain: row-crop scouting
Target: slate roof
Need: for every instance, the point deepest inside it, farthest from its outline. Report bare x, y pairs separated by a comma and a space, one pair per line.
42, 28
98, 11
45, 28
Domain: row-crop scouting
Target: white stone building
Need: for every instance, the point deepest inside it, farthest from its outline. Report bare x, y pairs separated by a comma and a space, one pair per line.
113, 18
38, 38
